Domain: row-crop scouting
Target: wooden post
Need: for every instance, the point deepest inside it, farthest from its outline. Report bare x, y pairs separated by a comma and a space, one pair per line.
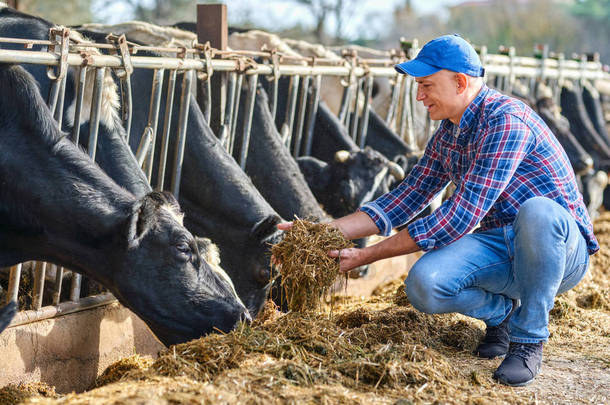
13, 3
212, 26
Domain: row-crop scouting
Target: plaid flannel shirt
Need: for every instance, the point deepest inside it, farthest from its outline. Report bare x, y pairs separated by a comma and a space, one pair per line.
501, 155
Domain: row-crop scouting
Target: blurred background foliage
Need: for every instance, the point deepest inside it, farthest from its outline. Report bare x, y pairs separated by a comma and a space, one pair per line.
569, 26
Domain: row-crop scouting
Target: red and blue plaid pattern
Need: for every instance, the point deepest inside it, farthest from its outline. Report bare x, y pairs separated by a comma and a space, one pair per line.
501, 155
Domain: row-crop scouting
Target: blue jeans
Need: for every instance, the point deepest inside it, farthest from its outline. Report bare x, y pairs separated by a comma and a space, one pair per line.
540, 255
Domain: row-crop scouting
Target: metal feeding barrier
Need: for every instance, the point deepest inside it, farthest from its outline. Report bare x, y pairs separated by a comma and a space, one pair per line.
240, 72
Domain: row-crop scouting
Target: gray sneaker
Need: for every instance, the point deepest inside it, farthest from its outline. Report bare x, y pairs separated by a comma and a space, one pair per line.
521, 365
495, 343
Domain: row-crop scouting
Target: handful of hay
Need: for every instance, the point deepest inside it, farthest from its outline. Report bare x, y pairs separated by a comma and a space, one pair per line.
305, 267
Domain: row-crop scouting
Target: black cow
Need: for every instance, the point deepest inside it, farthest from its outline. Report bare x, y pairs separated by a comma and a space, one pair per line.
113, 154
271, 167
593, 106
7, 313
573, 109
58, 206
591, 182
219, 200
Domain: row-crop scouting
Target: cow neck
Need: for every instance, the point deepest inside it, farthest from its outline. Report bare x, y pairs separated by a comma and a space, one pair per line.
56, 198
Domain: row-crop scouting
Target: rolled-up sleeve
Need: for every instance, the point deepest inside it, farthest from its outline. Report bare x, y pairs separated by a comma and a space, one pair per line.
398, 206
501, 147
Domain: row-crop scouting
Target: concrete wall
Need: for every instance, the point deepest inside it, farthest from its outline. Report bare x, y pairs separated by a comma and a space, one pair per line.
70, 351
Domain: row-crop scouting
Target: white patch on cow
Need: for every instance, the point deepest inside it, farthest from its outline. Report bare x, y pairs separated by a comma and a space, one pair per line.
175, 214
149, 34
109, 112
212, 257
376, 182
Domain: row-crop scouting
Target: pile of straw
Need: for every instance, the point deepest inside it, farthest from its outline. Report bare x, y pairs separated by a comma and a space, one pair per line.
17, 393
307, 272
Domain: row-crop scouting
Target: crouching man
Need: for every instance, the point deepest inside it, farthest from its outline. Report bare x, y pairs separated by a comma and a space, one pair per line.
512, 178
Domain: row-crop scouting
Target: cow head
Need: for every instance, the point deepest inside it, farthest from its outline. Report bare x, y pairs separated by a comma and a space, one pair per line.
350, 180
164, 278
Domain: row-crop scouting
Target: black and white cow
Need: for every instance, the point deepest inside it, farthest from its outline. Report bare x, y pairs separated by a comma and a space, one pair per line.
58, 206
113, 154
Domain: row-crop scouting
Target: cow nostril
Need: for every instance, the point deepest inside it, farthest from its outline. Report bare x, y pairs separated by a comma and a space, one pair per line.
264, 275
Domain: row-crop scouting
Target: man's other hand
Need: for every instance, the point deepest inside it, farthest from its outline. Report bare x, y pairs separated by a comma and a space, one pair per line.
349, 258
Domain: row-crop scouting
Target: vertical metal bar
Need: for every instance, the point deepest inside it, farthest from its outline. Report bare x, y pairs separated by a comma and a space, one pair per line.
312, 111
59, 275
126, 84
144, 145
355, 115
225, 128
346, 100
412, 103
274, 92
248, 112
207, 87
13, 283
53, 94
80, 94
185, 99
394, 99
405, 97
96, 107
286, 129
296, 145
169, 104
38, 288
59, 108
235, 107
364, 121
153, 118
75, 287
212, 27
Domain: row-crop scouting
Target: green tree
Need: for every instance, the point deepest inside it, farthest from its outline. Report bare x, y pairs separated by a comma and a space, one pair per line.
65, 12
594, 19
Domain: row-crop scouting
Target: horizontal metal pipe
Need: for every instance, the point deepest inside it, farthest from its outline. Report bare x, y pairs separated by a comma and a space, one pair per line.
523, 66
64, 308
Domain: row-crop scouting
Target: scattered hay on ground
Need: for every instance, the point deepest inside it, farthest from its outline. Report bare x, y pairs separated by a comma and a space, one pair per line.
306, 269
117, 370
17, 393
370, 351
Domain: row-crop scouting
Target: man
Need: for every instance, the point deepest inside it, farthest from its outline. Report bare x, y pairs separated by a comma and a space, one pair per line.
513, 179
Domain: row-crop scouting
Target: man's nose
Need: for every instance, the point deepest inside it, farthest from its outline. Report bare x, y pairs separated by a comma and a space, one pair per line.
420, 94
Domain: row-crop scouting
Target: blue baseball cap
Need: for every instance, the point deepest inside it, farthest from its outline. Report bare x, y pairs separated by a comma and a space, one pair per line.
450, 52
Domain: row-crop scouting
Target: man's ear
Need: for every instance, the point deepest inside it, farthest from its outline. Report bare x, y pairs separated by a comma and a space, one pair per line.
461, 82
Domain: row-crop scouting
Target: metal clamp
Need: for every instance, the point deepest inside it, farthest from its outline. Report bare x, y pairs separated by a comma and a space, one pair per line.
64, 34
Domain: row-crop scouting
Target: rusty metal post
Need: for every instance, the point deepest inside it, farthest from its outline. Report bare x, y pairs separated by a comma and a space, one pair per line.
212, 26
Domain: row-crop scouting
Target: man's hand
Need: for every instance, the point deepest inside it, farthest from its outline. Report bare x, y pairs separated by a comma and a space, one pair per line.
349, 258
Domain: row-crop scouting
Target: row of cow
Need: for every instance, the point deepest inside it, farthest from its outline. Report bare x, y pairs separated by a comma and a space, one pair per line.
105, 221
109, 225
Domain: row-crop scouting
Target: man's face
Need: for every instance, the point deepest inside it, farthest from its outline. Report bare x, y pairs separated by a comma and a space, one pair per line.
438, 94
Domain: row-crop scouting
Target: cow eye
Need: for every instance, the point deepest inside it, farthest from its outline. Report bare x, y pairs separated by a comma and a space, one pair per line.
184, 249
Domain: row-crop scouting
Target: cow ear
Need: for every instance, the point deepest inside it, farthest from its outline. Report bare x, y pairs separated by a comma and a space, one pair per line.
265, 227
140, 220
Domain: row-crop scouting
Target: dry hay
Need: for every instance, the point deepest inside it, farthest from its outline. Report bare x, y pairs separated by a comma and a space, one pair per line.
17, 393
371, 351
117, 370
306, 270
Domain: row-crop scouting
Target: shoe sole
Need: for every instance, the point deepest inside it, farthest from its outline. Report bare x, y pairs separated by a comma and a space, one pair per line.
523, 384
